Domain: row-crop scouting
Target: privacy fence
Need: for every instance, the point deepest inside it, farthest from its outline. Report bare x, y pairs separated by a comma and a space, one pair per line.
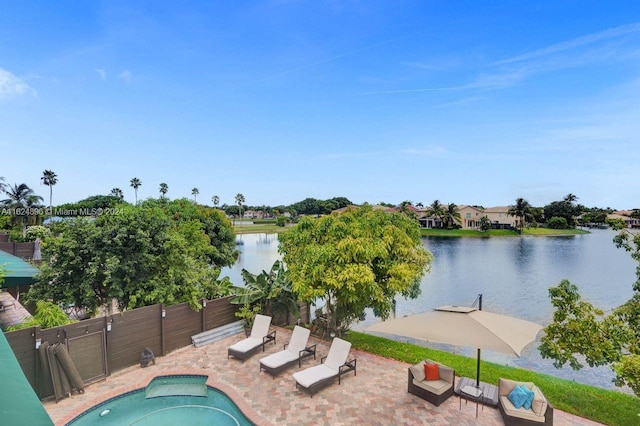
100, 346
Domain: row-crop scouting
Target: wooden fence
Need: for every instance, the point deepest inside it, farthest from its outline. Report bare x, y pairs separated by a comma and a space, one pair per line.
103, 345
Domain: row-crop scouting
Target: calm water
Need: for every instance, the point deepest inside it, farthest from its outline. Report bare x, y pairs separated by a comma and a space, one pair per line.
513, 274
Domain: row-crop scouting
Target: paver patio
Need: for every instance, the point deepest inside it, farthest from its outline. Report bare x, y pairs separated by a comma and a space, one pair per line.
376, 396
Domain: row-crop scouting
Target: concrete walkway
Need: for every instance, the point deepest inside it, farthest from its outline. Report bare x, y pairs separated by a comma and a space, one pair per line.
377, 395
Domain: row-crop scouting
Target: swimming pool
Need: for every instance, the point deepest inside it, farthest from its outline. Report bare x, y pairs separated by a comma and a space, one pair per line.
167, 400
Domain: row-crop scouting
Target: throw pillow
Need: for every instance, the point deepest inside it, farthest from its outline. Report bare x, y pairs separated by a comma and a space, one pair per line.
517, 397
530, 394
431, 372
418, 372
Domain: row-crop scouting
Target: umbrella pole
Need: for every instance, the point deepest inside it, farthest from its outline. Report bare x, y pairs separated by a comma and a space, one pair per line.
478, 370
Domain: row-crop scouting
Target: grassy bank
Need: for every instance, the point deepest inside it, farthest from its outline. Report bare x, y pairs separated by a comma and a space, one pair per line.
499, 232
597, 404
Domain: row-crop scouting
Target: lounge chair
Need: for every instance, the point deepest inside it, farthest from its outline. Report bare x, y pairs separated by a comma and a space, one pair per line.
259, 337
335, 365
295, 350
540, 413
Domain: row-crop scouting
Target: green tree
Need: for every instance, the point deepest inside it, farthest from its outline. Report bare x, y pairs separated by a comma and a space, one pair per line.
135, 183
240, 201
139, 257
273, 290
117, 192
522, 211
557, 223
195, 192
565, 209
580, 332
164, 188
47, 315
355, 260
485, 223
49, 178
451, 216
215, 200
21, 197
436, 209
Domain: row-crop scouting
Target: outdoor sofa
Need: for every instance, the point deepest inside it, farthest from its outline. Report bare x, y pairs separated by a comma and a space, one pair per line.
540, 413
434, 391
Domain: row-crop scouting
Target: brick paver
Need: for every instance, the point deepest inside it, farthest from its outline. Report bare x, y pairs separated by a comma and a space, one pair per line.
376, 396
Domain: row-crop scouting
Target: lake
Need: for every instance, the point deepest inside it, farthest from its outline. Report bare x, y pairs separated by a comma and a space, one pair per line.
512, 273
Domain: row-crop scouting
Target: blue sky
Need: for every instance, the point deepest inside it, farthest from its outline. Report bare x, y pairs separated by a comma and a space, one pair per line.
465, 102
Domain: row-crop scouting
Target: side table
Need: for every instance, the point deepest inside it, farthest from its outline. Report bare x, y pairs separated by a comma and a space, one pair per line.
471, 393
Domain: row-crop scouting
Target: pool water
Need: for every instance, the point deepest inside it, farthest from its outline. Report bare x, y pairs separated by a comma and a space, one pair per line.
167, 400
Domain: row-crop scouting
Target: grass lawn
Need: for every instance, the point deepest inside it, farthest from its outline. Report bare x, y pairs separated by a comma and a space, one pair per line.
267, 228
591, 402
498, 232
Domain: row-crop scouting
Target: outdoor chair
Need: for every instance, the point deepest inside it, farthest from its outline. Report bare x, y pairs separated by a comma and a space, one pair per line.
433, 389
295, 350
259, 337
334, 365
539, 413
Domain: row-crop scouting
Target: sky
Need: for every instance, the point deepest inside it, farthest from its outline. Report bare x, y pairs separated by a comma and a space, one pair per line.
465, 102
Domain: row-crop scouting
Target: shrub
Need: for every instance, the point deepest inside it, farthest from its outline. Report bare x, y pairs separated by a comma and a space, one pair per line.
37, 231
557, 223
281, 221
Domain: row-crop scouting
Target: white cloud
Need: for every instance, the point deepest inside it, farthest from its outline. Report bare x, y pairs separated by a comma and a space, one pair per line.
12, 86
126, 76
102, 73
576, 42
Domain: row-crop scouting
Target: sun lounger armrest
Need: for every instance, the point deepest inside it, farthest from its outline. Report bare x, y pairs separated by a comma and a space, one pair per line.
308, 351
271, 337
346, 367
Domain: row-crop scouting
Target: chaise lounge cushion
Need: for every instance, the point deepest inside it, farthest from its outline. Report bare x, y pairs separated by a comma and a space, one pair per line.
312, 375
247, 344
437, 387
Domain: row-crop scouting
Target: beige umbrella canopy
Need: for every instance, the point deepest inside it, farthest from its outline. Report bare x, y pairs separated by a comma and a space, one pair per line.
464, 326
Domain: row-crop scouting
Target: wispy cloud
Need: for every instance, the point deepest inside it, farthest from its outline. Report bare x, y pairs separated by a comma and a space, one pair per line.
102, 73
572, 44
12, 86
126, 76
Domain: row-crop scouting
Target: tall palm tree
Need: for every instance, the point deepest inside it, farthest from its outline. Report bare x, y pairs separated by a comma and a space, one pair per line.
117, 192
135, 184
20, 197
521, 210
451, 215
239, 201
436, 209
195, 192
164, 188
2, 184
216, 200
49, 178
570, 197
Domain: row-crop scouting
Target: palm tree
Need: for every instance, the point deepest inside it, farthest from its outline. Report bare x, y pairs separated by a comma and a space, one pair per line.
2, 184
49, 178
451, 215
117, 192
216, 201
164, 188
195, 192
521, 210
239, 201
20, 197
436, 209
135, 184
570, 197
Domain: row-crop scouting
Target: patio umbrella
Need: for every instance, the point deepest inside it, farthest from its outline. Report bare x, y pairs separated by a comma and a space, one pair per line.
465, 326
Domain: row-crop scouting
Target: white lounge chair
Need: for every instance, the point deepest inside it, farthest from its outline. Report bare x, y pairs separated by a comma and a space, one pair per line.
259, 337
295, 350
335, 365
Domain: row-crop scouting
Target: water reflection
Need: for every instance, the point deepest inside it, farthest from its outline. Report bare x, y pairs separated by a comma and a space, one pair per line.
513, 274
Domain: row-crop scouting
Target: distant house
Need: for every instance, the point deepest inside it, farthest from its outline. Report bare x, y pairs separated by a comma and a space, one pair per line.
500, 217
470, 216
624, 215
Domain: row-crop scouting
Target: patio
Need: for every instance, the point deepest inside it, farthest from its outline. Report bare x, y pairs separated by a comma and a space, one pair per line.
377, 395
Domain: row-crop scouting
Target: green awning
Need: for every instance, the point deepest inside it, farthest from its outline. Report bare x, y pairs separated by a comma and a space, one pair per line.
17, 271
19, 404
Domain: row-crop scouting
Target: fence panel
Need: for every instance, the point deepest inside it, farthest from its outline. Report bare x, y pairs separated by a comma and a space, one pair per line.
180, 323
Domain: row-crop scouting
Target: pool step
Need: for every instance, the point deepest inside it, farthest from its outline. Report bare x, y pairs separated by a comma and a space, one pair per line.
177, 389
216, 334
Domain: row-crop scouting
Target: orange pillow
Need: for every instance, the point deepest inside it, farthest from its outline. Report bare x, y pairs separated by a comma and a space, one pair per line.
431, 372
